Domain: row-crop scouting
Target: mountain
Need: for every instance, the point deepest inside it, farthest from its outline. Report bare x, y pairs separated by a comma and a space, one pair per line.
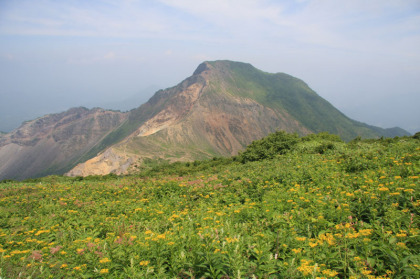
219, 110
53, 144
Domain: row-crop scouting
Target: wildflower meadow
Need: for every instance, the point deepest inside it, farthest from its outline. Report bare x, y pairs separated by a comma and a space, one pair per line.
311, 207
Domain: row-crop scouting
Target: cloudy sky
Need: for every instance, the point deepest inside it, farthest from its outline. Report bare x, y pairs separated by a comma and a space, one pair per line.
362, 56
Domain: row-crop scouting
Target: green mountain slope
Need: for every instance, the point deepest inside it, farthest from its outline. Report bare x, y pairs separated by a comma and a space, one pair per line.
284, 92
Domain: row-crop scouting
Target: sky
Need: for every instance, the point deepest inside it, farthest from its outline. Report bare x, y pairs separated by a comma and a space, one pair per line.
361, 56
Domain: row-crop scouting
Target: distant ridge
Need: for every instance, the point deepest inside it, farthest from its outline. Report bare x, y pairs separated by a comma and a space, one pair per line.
52, 144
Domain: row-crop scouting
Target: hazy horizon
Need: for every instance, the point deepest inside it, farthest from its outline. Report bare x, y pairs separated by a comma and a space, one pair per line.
362, 57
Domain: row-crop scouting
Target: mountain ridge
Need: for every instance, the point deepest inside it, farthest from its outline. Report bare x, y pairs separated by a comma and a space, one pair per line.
217, 111
53, 143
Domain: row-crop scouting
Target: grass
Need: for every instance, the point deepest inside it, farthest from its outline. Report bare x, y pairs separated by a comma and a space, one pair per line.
322, 209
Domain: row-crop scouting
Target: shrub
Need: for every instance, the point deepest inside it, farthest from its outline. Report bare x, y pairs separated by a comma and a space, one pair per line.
274, 144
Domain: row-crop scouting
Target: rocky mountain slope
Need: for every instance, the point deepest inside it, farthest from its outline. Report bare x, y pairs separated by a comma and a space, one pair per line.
54, 143
219, 110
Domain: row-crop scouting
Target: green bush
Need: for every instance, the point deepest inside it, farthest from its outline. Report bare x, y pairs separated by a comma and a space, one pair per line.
274, 144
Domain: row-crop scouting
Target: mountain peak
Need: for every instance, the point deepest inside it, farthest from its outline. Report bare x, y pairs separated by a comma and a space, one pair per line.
223, 66
205, 66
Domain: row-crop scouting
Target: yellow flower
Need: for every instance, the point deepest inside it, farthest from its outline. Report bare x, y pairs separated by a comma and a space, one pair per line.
103, 271
300, 238
161, 236
365, 232
394, 194
104, 260
297, 251
42, 231
313, 244
306, 270
352, 235
144, 263
329, 272
366, 272
230, 239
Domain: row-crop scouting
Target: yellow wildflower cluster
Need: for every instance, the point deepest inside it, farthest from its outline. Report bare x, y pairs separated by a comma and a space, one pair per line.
231, 239
104, 260
306, 268
144, 263
298, 238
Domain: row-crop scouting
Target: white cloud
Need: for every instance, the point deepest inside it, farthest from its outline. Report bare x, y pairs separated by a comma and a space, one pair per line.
347, 25
92, 18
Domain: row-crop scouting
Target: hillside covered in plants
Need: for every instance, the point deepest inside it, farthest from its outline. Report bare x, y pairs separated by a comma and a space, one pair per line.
286, 207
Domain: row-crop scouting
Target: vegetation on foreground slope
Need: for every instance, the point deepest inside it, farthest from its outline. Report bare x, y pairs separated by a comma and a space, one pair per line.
321, 209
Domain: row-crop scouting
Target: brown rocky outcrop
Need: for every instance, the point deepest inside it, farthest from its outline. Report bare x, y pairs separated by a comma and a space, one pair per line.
50, 144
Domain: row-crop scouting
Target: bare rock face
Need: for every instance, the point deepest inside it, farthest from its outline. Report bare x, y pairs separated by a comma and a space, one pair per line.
105, 163
49, 144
